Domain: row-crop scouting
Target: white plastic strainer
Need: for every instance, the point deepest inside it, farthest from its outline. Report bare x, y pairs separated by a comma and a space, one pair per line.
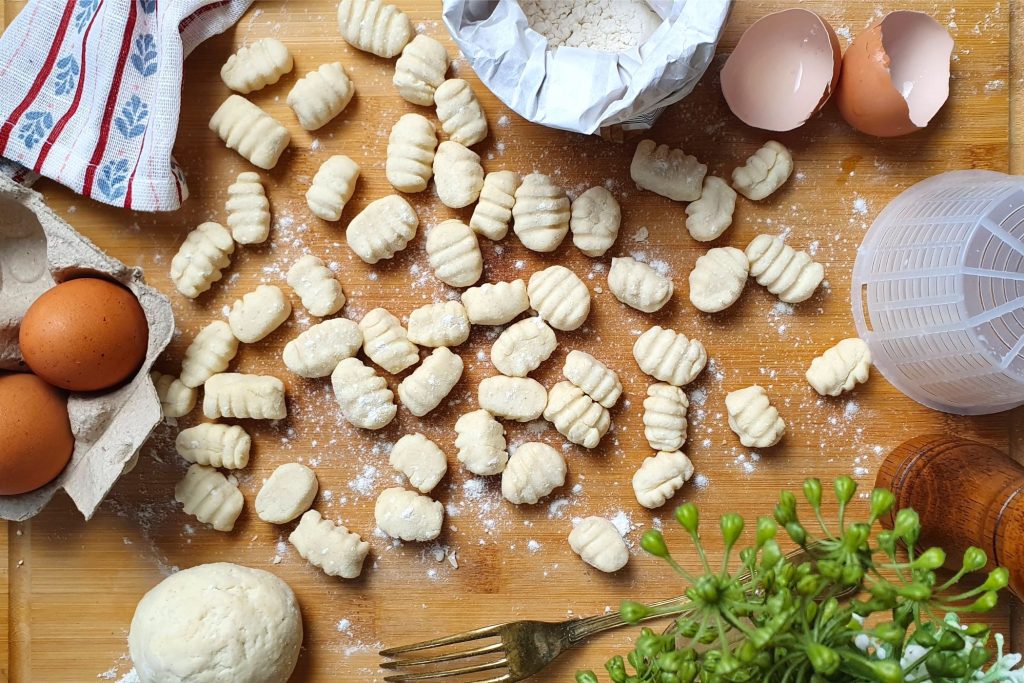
938, 292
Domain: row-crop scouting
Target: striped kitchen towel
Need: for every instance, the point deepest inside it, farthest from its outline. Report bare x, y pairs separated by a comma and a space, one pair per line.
90, 92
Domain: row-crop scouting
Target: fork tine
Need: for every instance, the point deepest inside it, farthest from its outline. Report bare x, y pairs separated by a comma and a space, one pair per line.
450, 673
463, 654
467, 636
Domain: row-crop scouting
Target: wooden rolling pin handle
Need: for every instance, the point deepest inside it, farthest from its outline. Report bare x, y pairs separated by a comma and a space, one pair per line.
966, 493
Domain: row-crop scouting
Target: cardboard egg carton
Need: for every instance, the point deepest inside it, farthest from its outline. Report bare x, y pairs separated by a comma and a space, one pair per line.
37, 250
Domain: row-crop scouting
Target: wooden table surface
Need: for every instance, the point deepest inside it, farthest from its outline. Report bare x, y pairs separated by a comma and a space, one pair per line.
70, 587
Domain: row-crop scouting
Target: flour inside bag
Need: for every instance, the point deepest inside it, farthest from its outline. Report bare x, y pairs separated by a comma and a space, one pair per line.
588, 65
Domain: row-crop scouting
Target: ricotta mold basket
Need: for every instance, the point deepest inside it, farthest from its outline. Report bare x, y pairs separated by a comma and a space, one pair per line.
38, 250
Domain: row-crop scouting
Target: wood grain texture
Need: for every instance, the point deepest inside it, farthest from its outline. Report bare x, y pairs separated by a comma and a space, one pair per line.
82, 580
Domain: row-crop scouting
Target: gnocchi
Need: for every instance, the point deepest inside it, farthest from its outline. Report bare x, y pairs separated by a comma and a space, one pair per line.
382, 229
576, 416
669, 172
257, 65
176, 399
320, 292
665, 417
753, 418
594, 221
840, 368
515, 398
638, 285
209, 353
440, 324
430, 383
332, 187
458, 175
668, 356
201, 258
718, 278
460, 113
540, 213
481, 443
331, 547
659, 478
250, 131
386, 342
214, 445
255, 397
258, 313
421, 460
711, 215
599, 544
493, 212
210, 497
521, 348
320, 95
594, 378
560, 297
408, 516
374, 26
420, 70
318, 350
534, 471
791, 275
454, 254
766, 171
410, 157
287, 493
363, 395
248, 209
495, 303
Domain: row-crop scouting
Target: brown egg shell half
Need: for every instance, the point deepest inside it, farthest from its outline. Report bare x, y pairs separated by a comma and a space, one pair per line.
783, 70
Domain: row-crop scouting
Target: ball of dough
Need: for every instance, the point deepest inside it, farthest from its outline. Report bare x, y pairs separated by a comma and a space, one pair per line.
216, 623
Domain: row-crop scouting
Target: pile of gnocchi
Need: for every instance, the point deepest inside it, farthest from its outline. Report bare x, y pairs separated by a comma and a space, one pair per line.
355, 354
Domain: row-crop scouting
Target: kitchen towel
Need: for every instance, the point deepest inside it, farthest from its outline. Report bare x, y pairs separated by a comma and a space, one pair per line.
90, 92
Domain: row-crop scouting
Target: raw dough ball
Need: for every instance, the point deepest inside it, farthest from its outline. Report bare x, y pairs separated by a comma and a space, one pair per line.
287, 493
216, 623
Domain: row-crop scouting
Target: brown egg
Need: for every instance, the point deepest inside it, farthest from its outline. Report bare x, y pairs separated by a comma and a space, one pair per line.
84, 335
35, 433
895, 75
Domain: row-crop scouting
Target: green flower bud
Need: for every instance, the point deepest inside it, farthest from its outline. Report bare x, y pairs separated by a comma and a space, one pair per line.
672, 661
933, 558
830, 569
771, 553
903, 615
918, 592
974, 559
637, 662
856, 536
985, 603
632, 612
887, 671
882, 501
746, 652
688, 517
785, 511
887, 542
766, 530
707, 589
946, 665
616, 669
890, 633
824, 659
586, 677
978, 657
845, 489
907, 522
654, 543
732, 526
687, 672
926, 636
998, 579
951, 641
812, 492
852, 575
797, 532
667, 677
649, 645
979, 631
808, 585
760, 637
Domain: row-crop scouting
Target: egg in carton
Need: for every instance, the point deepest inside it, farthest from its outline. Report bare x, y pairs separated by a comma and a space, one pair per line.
38, 249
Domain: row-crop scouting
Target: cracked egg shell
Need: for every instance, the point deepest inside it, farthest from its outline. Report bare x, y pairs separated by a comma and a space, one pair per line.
896, 75
783, 70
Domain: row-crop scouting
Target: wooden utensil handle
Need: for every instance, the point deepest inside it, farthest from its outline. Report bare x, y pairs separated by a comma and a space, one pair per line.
966, 493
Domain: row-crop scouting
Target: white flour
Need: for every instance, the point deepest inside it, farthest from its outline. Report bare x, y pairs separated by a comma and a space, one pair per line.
604, 25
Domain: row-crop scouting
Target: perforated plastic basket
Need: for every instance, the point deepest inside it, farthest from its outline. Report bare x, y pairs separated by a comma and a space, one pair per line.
938, 292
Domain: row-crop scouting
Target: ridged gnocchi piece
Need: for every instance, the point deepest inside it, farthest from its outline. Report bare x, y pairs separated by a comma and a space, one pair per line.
254, 397
599, 544
495, 303
638, 285
669, 172
329, 546
421, 460
718, 278
560, 297
363, 395
534, 471
320, 95
332, 187
248, 209
410, 157
407, 515
287, 493
766, 170
668, 356
430, 383
576, 416
210, 497
374, 26
753, 418
214, 445
256, 66
420, 70
493, 212
594, 378
454, 253
791, 275
481, 443
541, 213
205, 252
382, 229
250, 131
386, 342
594, 221
318, 350
665, 417
258, 313
522, 347
458, 175
439, 324
711, 215
659, 477
176, 399
209, 353
514, 398
314, 282
460, 113
840, 368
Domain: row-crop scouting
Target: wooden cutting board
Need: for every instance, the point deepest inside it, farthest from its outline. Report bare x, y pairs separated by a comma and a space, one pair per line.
70, 587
